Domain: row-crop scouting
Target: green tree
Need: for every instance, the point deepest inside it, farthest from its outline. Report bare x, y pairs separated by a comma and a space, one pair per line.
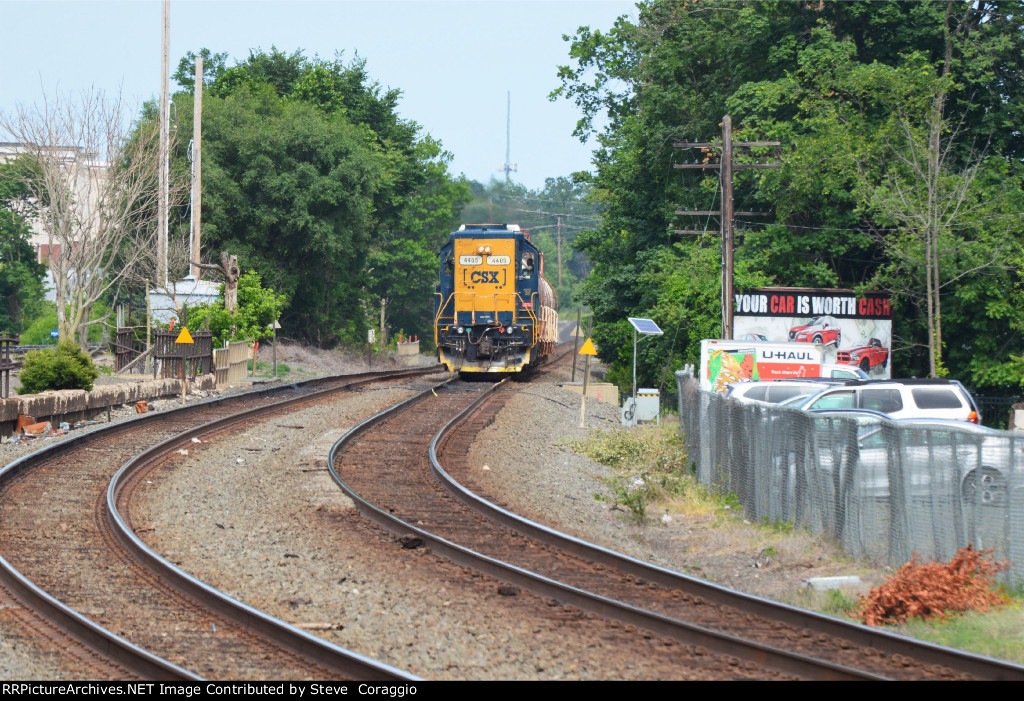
855, 91
311, 178
21, 277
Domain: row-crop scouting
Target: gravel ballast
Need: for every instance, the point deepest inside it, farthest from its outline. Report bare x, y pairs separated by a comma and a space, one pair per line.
259, 517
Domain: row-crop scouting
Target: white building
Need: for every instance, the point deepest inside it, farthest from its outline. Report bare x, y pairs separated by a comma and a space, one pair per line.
88, 172
187, 292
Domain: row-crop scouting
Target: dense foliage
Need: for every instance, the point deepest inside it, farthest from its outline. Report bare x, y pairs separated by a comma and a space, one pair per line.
313, 180
900, 170
21, 277
65, 367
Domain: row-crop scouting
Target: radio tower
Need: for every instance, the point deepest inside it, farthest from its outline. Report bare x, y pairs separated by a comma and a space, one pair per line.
508, 166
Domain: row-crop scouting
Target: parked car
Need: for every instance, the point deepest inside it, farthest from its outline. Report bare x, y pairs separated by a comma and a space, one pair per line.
820, 329
900, 399
754, 337
836, 372
927, 449
865, 357
794, 401
774, 391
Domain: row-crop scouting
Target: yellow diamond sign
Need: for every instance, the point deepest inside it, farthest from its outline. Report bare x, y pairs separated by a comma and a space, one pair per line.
184, 336
588, 348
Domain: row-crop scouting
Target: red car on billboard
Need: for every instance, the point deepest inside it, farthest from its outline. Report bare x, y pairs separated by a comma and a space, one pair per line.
820, 329
867, 357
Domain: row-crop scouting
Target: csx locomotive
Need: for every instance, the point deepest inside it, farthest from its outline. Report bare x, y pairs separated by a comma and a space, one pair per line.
493, 309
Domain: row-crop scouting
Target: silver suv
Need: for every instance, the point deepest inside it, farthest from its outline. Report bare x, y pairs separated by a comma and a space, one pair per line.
775, 391
900, 399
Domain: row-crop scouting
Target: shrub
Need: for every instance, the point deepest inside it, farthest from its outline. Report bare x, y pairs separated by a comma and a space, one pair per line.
63, 367
934, 589
258, 307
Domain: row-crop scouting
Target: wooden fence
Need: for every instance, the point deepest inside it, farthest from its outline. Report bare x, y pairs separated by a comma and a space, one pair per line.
231, 362
126, 350
175, 360
6, 365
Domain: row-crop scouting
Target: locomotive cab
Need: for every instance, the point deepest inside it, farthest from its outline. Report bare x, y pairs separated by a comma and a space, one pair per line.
492, 306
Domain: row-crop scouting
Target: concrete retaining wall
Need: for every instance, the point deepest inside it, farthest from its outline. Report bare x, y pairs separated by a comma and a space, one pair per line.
604, 391
72, 405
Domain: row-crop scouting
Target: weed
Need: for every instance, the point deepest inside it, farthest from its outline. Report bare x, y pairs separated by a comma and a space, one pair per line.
778, 525
634, 497
769, 551
838, 603
267, 369
648, 463
728, 499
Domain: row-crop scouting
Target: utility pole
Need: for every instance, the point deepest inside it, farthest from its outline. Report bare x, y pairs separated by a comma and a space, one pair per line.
162, 208
197, 169
559, 250
725, 166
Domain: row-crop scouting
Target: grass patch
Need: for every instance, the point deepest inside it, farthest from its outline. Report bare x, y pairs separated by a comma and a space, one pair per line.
650, 466
833, 602
267, 369
996, 633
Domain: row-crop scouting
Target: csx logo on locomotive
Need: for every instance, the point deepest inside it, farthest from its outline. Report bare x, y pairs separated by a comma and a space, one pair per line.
484, 276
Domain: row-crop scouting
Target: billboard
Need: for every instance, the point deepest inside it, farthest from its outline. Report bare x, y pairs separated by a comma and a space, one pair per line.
855, 329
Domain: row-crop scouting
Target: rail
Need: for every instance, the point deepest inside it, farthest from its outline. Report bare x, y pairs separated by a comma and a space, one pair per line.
98, 638
545, 586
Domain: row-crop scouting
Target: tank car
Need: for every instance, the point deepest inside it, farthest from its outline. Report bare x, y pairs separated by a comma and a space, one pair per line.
493, 309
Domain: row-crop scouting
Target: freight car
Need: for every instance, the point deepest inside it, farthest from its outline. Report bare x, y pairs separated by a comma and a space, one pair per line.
493, 309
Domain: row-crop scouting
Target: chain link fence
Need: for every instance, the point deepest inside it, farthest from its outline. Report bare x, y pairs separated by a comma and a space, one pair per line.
883, 489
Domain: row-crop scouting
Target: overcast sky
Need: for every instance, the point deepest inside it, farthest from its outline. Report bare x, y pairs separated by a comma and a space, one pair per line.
454, 61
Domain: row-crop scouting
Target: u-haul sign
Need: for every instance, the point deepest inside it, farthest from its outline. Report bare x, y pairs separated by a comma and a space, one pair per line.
725, 362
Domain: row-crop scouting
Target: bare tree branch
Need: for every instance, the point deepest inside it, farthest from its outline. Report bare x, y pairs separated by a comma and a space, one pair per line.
94, 179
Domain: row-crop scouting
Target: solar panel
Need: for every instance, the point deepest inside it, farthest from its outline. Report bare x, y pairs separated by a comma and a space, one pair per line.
646, 326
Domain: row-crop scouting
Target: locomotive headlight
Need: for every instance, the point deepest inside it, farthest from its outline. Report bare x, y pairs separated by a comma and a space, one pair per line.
459, 330
480, 250
509, 329
487, 250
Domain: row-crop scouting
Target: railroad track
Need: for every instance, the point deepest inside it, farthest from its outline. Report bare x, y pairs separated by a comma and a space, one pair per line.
70, 558
411, 494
